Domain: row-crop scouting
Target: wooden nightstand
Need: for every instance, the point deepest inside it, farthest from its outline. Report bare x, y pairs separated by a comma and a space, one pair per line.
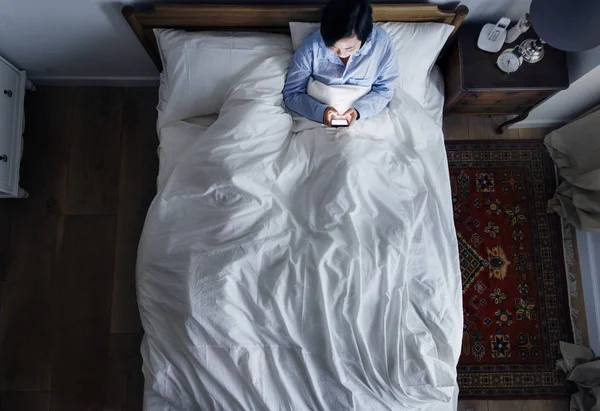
476, 86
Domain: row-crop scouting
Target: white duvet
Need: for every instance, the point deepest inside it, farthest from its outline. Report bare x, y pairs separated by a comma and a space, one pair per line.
314, 269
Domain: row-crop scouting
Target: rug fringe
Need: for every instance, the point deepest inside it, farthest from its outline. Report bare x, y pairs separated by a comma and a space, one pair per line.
578, 336
568, 244
574, 313
572, 286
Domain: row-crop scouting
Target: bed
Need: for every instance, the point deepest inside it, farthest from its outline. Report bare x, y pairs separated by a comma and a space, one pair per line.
283, 265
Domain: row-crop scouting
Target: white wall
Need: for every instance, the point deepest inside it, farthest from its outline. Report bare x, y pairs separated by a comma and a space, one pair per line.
582, 62
66, 39
588, 246
86, 41
582, 94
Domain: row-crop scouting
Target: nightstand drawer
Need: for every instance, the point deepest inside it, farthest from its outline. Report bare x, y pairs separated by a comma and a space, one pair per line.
512, 98
486, 110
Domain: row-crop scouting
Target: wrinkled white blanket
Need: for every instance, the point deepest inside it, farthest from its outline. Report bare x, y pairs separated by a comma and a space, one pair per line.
309, 270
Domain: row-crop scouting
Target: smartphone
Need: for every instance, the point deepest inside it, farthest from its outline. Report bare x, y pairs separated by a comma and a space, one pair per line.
339, 122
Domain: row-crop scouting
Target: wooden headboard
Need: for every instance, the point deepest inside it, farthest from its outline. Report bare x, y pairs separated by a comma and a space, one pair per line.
272, 18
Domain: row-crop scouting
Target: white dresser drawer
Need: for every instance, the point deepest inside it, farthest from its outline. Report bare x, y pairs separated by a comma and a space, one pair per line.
12, 91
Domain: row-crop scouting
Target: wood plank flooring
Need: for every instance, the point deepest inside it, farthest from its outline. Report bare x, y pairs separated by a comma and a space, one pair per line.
69, 326
483, 128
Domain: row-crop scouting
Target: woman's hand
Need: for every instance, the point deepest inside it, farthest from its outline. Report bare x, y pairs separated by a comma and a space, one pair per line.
350, 115
329, 114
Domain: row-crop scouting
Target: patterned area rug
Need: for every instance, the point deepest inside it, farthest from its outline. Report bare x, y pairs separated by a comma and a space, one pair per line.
514, 286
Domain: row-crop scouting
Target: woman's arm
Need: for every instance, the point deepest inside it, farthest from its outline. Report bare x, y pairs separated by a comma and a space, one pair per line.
294, 91
382, 90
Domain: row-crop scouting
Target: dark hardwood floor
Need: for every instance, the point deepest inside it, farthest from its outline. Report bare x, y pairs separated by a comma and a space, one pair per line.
69, 325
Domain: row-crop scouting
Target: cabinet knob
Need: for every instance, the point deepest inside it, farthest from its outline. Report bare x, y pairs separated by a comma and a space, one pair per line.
4, 158
8, 93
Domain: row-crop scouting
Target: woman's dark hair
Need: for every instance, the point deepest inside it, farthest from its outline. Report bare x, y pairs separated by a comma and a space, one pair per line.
344, 18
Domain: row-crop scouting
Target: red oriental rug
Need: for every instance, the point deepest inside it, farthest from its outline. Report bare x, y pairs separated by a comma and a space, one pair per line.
514, 285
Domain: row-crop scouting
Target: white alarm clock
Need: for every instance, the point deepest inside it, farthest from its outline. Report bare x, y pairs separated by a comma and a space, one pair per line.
510, 60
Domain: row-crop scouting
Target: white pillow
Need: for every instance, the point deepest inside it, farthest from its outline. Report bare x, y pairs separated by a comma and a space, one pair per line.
199, 67
417, 47
299, 31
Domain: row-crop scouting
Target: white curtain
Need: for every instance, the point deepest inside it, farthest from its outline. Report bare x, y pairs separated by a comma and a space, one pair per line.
575, 148
583, 369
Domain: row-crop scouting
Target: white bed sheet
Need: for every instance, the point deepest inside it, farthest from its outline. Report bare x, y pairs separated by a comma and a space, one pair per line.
248, 213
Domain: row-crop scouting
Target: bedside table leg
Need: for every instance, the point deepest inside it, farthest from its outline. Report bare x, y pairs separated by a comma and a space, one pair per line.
520, 117
29, 86
22, 193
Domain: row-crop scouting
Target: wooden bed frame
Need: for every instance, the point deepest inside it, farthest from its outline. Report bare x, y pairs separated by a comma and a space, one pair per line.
271, 18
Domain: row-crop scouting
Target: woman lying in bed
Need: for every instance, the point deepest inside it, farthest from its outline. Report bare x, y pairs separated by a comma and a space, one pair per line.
347, 50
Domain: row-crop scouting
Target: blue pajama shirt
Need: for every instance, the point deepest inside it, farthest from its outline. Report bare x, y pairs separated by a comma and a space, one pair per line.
373, 65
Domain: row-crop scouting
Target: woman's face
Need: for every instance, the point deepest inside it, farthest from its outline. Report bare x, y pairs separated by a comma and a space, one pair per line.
346, 47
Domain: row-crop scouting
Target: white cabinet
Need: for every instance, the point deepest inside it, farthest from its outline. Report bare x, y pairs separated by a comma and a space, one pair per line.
12, 95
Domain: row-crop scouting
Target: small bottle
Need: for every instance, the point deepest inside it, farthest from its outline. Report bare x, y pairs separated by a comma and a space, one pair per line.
521, 27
